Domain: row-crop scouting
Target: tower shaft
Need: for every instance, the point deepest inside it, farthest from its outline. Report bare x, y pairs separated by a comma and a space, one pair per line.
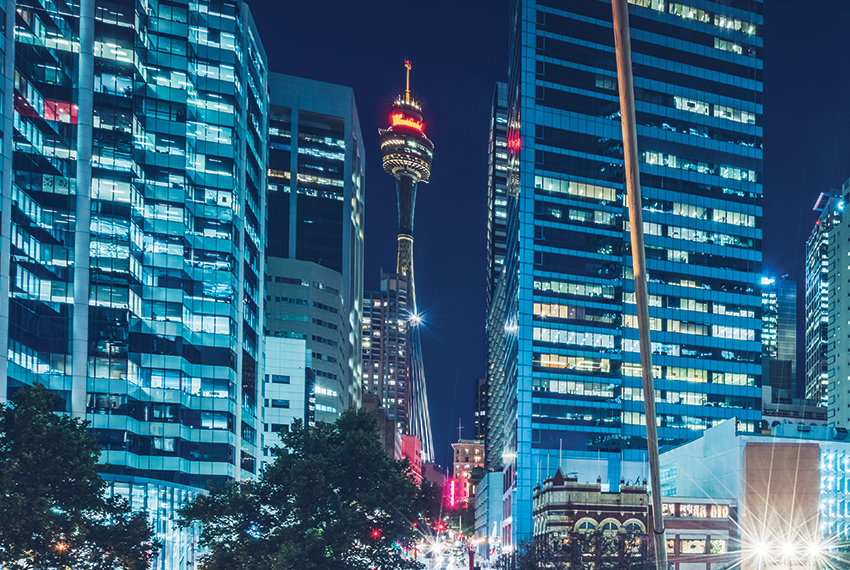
406, 187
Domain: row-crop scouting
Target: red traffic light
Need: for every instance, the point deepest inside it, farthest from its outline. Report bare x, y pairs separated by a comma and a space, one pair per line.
376, 533
414, 525
441, 525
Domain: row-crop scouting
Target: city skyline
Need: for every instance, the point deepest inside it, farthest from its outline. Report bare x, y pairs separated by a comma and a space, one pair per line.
199, 247
454, 315
807, 148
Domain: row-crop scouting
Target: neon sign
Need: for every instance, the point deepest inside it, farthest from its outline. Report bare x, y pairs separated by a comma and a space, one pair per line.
399, 120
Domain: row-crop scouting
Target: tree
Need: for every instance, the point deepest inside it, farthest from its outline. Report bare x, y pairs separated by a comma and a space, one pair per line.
331, 500
53, 512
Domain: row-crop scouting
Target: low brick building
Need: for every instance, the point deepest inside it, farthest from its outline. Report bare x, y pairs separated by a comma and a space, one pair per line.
562, 505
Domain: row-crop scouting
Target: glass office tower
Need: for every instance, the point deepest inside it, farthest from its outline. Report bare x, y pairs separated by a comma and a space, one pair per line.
779, 333
316, 201
138, 193
564, 363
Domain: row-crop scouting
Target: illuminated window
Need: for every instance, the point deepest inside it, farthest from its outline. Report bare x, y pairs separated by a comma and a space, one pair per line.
578, 364
579, 189
692, 546
726, 45
60, 112
695, 511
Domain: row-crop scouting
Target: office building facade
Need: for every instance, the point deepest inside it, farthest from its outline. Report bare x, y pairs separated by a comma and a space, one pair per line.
779, 335
316, 198
289, 390
786, 324
138, 181
564, 364
311, 306
831, 208
386, 354
837, 313
497, 186
488, 516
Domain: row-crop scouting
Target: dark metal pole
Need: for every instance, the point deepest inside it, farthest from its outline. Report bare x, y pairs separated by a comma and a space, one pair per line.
627, 118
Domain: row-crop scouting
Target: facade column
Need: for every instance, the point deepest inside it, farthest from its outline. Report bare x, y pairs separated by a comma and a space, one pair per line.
82, 226
6, 176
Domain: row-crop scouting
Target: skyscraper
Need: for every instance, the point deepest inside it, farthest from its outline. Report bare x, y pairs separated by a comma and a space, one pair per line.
137, 181
831, 207
779, 334
497, 186
827, 337
386, 354
563, 362
407, 155
316, 196
786, 323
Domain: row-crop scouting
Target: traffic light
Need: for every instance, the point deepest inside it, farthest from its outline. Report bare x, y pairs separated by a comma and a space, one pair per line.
441, 525
414, 524
376, 533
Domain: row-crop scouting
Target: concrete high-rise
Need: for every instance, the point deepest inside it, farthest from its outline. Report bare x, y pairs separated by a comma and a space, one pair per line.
316, 197
831, 207
386, 354
563, 362
135, 195
407, 154
829, 244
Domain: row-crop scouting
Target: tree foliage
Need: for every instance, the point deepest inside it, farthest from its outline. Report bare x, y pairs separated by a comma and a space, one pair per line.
331, 500
53, 513
595, 550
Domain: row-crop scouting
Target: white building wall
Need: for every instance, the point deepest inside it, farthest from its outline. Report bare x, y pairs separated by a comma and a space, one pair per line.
488, 512
286, 390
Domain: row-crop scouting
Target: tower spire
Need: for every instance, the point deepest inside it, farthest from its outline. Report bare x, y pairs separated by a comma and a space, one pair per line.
407, 88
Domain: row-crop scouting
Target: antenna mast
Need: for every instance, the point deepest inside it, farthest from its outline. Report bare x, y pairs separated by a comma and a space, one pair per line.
407, 89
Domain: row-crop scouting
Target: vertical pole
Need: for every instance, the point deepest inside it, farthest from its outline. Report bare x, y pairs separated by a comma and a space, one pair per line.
627, 116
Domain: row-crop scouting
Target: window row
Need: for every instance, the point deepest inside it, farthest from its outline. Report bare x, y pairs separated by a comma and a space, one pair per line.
711, 169
579, 189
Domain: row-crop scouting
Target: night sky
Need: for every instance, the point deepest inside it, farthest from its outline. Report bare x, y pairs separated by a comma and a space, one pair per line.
459, 50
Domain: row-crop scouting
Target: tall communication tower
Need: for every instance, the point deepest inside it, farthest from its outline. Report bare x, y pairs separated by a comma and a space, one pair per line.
407, 154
